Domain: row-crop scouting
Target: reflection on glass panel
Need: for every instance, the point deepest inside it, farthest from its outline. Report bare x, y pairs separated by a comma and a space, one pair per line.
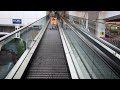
12, 47
91, 63
109, 33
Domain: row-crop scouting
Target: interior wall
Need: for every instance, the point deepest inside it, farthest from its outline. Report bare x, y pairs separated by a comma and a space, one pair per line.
92, 15
108, 14
26, 16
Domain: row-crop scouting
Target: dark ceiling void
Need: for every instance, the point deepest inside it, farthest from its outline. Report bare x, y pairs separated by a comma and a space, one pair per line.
114, 18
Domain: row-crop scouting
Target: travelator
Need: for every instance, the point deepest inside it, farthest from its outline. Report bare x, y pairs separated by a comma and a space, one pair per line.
38, 52
105, 55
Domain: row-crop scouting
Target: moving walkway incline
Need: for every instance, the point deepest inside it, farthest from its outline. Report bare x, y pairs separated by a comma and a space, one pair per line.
48, 61
91, 62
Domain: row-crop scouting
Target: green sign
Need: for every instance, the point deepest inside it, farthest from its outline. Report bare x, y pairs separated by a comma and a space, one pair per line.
113, 27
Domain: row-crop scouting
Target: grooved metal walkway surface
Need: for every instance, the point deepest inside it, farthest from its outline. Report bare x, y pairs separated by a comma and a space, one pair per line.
49, 62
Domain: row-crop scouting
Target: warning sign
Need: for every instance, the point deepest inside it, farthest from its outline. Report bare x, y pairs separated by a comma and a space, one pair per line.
101, 33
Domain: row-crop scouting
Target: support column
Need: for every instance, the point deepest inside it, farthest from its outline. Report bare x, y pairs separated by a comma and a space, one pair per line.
87, 22
100, 28
16, 28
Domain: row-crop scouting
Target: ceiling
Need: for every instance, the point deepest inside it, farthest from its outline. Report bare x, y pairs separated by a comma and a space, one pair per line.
114, 18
